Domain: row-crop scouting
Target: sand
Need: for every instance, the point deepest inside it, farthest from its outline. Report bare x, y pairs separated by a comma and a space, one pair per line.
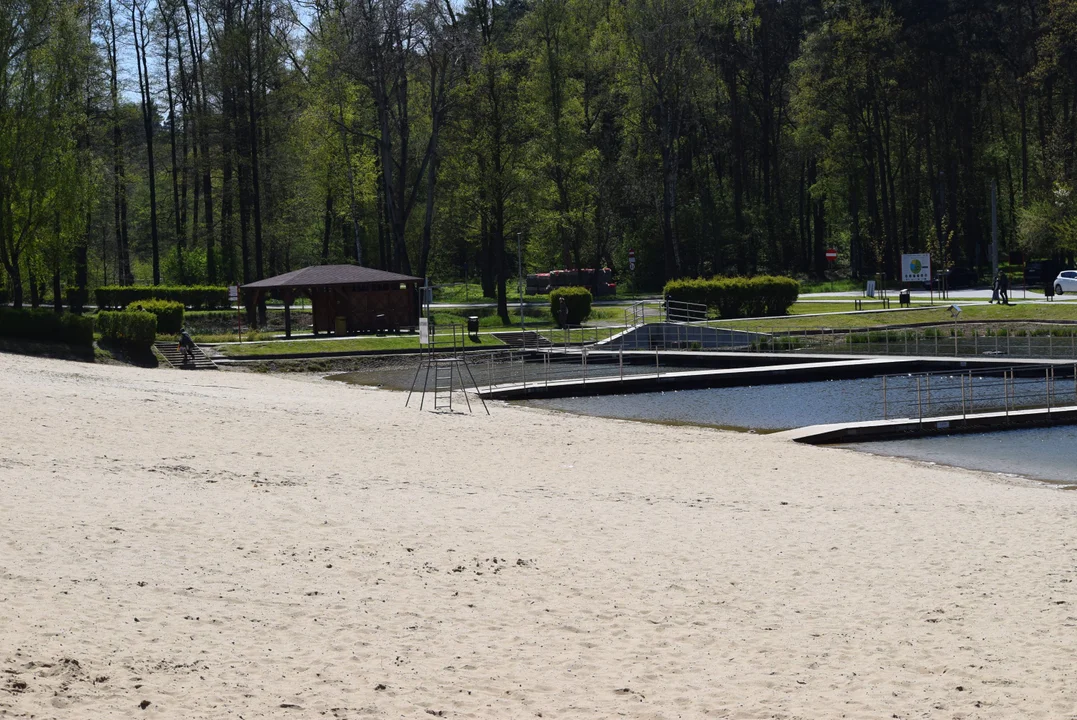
219, 545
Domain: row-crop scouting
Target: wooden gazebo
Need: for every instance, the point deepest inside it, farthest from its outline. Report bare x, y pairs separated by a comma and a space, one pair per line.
345, 298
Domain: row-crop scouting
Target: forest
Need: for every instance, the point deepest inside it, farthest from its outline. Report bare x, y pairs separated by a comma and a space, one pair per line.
224, 141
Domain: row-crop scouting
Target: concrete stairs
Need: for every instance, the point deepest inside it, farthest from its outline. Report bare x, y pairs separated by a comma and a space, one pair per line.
172, 356
521, 340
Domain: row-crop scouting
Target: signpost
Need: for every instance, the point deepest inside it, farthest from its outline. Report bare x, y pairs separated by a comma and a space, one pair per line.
632, 260
831, 256
916, 267
233, 297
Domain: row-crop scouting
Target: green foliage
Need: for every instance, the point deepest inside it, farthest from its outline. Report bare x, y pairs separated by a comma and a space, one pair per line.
578, 300
76, 299
47, 326
135, 329
184, 267
195, 297
169, 314
759, 296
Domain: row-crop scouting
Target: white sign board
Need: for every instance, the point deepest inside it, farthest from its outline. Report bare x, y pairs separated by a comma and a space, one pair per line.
233, 292
915, 267
424, 331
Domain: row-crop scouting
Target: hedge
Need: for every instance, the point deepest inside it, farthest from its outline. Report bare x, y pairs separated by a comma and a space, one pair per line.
578, 300
759, 296
169, 314
132, 328
194, 297
47, 326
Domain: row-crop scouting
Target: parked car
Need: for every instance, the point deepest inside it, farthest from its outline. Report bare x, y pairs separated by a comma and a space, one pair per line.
1038, 272
1066, 282
957, 278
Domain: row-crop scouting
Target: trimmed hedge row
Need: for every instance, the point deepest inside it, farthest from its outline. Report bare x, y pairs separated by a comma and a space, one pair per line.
133, 328
195, 297
169, 314
738, 297
578, 300
47, 326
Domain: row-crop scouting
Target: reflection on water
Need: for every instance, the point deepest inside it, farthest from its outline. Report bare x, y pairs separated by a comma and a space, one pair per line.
1041, 453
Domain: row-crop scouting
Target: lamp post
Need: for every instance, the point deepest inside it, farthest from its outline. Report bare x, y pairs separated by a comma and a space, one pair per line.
520, 278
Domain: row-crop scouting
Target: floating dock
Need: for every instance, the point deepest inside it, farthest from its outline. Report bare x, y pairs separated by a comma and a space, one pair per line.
903, 428
738, 370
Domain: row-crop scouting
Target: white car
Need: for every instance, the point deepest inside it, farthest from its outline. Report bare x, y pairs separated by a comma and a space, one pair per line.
1066, 282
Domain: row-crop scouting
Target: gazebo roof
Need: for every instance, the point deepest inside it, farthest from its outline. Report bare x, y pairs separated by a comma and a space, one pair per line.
328, 275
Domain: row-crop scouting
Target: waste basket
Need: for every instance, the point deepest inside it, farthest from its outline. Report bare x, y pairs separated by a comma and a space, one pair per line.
473, 327
341, 326
904, 298
1049, 290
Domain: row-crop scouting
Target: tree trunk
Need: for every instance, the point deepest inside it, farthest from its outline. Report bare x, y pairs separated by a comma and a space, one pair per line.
328, 225
138, 29
123, 258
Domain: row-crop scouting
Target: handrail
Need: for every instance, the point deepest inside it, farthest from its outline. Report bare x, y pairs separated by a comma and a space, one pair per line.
1023, 386
684, 311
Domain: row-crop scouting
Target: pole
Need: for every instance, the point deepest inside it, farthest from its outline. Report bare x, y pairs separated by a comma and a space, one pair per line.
994, 229
520, 279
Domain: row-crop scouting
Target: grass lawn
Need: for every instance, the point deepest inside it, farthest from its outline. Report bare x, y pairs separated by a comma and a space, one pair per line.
351, 344
939, 314
837, 285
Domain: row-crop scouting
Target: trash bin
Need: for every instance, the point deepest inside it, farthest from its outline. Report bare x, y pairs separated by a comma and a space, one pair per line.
341, 326
473, 327
1049, 290
379, 324
904, 298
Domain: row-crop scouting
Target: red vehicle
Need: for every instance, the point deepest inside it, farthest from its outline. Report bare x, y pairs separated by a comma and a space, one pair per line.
600, 282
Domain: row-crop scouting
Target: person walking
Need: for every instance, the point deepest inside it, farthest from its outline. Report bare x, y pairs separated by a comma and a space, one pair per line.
1004, 288
995, 288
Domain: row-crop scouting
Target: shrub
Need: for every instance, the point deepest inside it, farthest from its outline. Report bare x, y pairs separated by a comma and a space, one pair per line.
738, 297
169, 314
133, 328
76, 299
194, 297
578, 300
47, 326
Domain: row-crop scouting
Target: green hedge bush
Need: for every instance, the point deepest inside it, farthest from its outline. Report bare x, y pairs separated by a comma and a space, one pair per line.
76, 299
578, 300
194, 297
47, 326
133, 328
759, 296
169, 314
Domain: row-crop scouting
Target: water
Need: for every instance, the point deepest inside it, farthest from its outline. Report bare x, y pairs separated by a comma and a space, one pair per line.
763, 408
767, 408
1040, 453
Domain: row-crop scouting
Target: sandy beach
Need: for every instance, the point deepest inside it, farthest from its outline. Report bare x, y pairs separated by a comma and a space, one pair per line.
219, 545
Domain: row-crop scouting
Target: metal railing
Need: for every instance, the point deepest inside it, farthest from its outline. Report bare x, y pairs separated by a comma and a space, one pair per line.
1006, 390
680, 311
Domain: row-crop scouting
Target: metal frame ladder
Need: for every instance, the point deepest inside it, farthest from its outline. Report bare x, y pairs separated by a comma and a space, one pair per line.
444, 364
